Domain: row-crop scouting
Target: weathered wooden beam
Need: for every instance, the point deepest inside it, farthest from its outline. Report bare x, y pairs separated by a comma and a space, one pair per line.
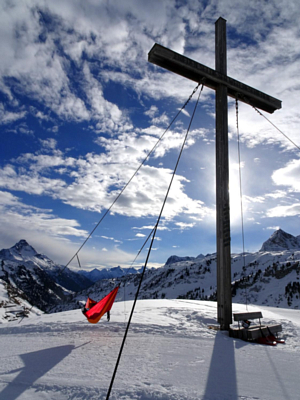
195, 71
247, 315
222, 185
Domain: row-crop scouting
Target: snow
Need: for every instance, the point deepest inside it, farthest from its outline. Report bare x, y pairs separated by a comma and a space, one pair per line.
170, 353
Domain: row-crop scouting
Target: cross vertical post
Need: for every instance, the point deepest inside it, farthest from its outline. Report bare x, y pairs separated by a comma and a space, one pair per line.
224, 86
222, 184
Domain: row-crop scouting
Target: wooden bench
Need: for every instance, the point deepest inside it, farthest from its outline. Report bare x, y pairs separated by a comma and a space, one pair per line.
253, 332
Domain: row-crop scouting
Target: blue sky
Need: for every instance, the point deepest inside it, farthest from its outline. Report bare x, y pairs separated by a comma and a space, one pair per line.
81, 107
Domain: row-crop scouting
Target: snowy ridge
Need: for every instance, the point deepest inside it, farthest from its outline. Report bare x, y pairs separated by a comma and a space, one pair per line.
268, 277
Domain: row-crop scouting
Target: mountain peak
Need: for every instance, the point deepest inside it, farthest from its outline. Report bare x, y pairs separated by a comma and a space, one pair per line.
22, 247
281, 240
174, 259
20, 251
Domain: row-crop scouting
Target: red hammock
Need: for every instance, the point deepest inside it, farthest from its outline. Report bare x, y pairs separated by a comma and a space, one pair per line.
94, 311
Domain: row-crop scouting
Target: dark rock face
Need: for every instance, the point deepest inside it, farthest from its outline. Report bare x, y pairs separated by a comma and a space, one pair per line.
33, 284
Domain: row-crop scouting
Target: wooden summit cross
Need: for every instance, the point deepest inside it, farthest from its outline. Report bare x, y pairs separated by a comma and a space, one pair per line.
224, 86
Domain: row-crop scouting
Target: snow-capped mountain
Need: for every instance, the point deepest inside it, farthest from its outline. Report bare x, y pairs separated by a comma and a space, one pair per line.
281, 240
111, 273
175, 259
267, 277
32, 283
28, 276
270, 276
24, 253
21, 251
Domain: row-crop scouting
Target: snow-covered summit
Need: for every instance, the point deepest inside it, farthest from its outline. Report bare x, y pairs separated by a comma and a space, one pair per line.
281, 240
20, 251
39, 280
174, 259
111, 273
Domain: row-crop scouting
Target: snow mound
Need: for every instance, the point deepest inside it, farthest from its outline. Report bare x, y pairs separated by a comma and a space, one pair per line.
170, 354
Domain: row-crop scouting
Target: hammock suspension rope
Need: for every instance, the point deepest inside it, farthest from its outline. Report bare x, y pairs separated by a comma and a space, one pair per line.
241, 192
150, 247
135, 173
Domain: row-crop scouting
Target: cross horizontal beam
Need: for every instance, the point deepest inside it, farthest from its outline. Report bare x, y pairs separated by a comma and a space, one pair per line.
184, 66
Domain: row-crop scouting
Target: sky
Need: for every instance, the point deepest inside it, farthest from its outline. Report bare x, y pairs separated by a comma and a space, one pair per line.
81, 107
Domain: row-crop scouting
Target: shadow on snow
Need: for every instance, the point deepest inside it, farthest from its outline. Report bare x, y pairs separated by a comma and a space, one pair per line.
36, 365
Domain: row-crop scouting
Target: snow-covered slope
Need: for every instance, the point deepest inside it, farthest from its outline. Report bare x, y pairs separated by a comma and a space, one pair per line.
267, 278
170, 354
14, 304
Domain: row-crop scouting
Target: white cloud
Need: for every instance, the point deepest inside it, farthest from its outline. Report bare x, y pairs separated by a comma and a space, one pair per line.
184, 225
284, 211
16, 215
277, 194
106, 34
184, 112
252, 199
6, 117
161, 120
96, 180
149, 227
28, 182
273, 228
48, 143
51, 235
153, 110
106, 237
288, 175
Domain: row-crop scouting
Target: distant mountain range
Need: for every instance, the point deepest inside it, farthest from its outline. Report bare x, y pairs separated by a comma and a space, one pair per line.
269, 276
116, 272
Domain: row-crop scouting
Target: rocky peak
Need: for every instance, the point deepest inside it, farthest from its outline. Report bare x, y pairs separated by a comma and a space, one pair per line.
174, 259
281, 240
23, 246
